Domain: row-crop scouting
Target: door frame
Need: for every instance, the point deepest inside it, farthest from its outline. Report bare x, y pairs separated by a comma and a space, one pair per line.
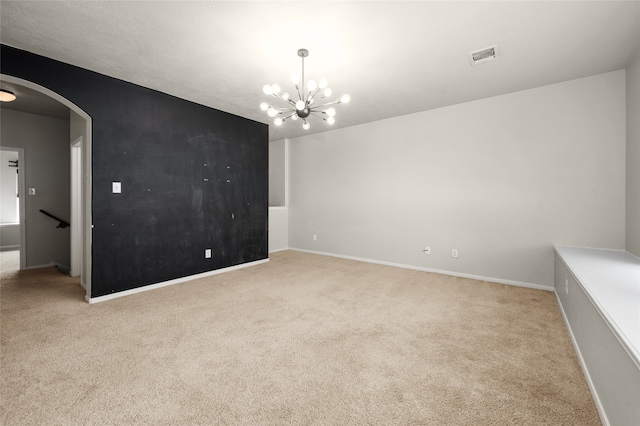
22, 192
75, 268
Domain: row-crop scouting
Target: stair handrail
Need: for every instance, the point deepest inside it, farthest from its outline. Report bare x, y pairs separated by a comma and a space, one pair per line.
62, 224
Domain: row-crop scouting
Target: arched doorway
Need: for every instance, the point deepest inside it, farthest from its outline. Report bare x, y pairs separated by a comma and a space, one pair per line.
80, 161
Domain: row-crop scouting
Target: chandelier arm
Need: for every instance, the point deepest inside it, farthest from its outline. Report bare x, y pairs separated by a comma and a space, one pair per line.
299, 93
311, 96
317, 110
286, 100
315, 114
280, 110
290, 102
337, 101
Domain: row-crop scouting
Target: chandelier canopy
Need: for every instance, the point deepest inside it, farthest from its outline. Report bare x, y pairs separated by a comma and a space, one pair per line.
305, 106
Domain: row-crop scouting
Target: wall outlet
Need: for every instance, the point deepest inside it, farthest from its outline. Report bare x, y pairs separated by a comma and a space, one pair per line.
426, 250
116, 187
315, 237
207, 254
32, 191
454, 253
566, 286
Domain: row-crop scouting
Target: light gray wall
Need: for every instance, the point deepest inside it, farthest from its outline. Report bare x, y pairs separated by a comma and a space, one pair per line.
9, 237
499, 179
278, 229
633, 157
277, 173
278, 210
46, 150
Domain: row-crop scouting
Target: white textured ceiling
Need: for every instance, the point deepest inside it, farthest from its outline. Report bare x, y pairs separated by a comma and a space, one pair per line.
393, 58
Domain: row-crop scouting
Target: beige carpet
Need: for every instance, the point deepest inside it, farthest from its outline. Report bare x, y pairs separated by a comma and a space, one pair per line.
303, 339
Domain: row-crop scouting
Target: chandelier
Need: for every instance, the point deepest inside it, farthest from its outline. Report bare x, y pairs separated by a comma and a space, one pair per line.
305, 106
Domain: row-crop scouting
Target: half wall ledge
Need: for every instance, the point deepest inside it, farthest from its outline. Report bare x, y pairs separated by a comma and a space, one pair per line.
598, 291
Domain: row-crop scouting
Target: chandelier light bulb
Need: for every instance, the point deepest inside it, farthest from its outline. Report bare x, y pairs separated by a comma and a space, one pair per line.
328, 92
271, 112
264, 106
345, 99
323, 83
331, 120
277, 121
285, 96
300, 105
306, 125
295, 79
294, 117
275, 88
312, 85
331, 112
267, 89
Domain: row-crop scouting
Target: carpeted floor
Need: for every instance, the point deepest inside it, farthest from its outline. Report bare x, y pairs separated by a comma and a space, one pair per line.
302, 339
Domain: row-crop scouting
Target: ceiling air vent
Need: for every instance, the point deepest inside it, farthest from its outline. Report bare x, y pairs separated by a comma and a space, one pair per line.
484, 55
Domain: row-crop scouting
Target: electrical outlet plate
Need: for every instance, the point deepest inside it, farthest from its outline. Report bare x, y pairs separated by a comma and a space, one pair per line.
454, 253
426, 250
207, 254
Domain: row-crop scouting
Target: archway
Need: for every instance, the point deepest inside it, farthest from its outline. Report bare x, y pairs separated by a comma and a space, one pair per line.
80, 186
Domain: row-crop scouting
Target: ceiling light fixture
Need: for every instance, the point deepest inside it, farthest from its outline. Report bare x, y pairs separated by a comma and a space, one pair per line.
7, 96
304, 107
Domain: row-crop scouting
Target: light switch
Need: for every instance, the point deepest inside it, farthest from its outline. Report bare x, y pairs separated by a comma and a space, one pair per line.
32, 191
116, 188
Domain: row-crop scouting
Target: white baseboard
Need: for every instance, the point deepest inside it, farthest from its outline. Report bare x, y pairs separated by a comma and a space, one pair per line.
62, 267
172, 282
436, 271
277, 250
46, 265
583, 365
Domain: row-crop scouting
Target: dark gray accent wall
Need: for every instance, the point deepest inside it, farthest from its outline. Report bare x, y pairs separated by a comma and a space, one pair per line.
192, 177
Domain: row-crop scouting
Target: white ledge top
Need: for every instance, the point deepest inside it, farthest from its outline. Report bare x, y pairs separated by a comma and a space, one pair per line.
611, 279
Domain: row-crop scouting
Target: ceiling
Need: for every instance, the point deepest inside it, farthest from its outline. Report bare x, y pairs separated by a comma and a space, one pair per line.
393, 58
33, 102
